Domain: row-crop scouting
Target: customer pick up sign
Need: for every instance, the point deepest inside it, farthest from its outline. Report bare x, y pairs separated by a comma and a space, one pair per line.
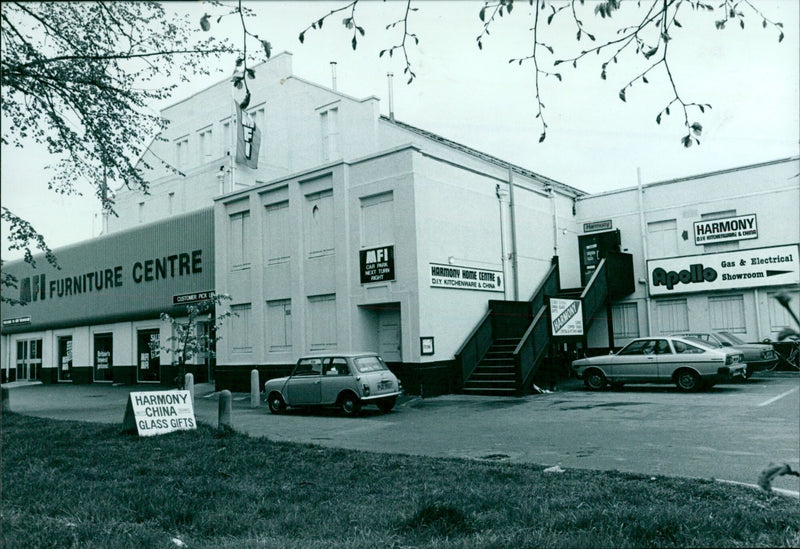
158, 412
757, 267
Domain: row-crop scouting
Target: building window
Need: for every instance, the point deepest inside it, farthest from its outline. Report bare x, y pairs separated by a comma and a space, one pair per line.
377, 220
278, 229
727, 313
662, 238
141, 212
672, 315
322, 321
240, 324
240, 241
171, 202
625, 317
721, 246
182, 152
279, 325
206, 144
779, 318
329, 120
260, 118
227, 138
319, 223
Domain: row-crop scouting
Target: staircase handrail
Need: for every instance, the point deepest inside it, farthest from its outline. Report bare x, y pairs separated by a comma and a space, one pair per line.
467, 367
528, 345
595, 293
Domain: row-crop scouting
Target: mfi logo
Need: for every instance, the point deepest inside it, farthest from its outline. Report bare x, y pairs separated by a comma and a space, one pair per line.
32, 288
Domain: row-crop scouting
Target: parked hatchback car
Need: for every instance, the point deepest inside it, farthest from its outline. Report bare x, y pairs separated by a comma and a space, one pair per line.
346, 380
758, 356
688, 363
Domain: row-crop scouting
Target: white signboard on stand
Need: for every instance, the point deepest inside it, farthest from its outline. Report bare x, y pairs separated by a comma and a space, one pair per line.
159, 412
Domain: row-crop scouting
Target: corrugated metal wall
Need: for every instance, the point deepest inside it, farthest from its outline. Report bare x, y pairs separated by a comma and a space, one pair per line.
142, 269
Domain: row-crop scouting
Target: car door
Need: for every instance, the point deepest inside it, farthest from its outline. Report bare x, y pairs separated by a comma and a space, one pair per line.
336, 376
636, 362
303, 388
665, 358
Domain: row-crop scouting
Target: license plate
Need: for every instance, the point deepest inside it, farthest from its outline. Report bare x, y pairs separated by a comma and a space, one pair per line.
386, 384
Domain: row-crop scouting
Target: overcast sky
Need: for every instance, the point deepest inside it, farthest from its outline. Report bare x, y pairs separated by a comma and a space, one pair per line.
595, 142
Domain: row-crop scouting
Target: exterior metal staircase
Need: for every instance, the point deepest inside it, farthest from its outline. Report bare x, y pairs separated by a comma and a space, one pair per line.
506, 348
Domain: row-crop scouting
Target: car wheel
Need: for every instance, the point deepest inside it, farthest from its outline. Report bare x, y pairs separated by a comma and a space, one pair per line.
276, 403
386, 404
687, 381
594, 380
350, 404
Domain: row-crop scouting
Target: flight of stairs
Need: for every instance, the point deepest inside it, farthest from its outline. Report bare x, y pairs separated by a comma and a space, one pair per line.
495, 373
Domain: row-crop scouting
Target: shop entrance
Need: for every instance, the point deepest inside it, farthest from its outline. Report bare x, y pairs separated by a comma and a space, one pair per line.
29, 359
65, 358
148, 354
103, 357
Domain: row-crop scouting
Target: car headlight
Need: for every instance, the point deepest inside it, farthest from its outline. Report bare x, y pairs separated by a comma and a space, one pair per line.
366, 389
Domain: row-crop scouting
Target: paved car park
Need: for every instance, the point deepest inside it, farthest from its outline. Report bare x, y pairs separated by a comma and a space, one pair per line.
731, 432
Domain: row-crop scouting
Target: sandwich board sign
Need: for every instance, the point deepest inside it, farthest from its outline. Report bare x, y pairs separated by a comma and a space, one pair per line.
158, 412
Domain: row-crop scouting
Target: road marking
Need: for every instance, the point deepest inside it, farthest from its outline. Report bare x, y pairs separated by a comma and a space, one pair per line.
773, 399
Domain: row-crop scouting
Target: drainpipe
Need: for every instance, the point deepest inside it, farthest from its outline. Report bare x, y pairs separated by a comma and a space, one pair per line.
514, 262
333, 75
643, 230
554, 209
390, 75
500, 193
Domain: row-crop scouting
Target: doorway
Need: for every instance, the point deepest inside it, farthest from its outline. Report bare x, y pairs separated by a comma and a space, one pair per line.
65, 358
148, 367
104, 357
390, 340
29, 359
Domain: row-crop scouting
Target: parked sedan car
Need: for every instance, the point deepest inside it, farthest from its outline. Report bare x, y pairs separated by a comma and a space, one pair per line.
688, 363
758, 356
346, 380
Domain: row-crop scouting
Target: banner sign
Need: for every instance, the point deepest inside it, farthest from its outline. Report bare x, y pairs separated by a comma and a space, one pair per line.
595, 226
566, 317
377, 264
726, 229
465, 278
159, 412
758, 267
193, 297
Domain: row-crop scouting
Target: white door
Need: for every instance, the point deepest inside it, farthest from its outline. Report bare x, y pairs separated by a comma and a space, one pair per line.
389, 335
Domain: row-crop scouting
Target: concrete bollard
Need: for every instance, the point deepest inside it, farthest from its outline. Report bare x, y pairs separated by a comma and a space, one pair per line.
6, 402
224, 418
188, 384
255, 391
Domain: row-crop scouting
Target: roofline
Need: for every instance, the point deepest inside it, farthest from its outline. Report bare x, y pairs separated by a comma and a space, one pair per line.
329, 89
696, 176
486, 157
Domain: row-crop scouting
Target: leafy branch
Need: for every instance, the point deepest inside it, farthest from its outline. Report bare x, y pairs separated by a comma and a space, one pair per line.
402, 45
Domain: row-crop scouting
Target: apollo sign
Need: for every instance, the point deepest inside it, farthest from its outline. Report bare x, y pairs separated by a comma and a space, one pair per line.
775, 266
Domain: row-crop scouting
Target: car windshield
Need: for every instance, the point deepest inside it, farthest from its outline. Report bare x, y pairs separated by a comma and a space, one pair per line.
731, 338
370, 364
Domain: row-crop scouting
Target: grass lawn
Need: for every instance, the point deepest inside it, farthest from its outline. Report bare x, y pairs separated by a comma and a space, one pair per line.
70, 484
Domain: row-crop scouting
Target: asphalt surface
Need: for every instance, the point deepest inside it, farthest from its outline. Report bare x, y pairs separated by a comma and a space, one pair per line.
730, 433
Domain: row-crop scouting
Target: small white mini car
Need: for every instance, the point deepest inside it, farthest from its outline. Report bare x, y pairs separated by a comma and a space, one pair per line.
346, 380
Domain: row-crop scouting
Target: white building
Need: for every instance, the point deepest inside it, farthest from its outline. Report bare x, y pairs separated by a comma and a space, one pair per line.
357, 231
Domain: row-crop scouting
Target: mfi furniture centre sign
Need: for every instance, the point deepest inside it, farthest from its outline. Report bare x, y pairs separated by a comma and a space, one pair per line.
566, 317
465, 278
727, 229
758, 267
